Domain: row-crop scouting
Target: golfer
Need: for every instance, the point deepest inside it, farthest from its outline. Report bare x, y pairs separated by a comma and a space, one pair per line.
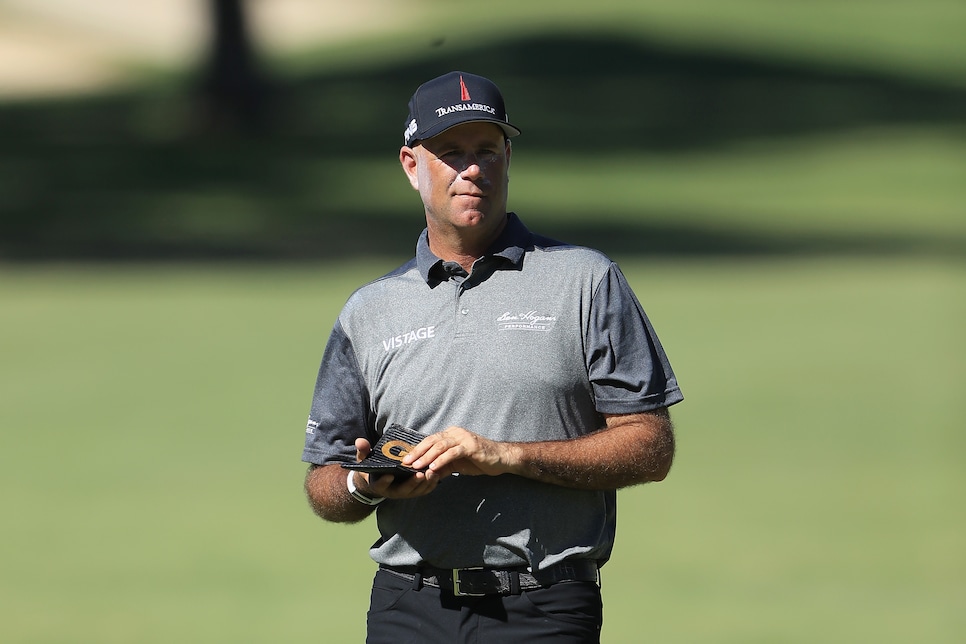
533, 378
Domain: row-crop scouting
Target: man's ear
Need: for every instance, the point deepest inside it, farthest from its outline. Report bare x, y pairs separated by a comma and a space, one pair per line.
408, 161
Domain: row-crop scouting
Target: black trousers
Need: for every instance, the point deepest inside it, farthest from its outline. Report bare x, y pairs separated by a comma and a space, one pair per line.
569, 612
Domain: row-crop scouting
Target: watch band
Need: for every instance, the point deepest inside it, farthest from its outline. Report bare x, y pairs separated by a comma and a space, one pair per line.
359, 496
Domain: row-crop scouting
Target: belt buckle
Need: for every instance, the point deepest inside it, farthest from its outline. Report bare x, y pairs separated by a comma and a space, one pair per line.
457, 591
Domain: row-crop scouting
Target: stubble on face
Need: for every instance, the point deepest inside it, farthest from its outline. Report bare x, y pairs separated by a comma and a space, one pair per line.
461, 175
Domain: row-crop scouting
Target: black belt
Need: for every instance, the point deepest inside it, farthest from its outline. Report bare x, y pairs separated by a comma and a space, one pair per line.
477, 582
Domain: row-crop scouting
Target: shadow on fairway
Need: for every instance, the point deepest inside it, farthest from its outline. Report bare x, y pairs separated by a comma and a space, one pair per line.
121, 177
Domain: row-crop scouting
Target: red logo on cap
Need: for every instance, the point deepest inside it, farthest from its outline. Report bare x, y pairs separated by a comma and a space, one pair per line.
464, 93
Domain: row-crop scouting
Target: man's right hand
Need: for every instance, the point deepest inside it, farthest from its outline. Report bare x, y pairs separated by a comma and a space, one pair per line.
410, 487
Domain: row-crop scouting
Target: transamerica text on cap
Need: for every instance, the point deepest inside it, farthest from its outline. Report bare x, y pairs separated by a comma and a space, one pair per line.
464, 107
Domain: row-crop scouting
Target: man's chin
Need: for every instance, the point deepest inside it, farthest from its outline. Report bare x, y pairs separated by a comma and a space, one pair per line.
472, 217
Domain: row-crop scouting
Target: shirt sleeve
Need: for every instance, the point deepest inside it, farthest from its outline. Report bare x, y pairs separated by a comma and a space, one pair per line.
628, 369
340, 405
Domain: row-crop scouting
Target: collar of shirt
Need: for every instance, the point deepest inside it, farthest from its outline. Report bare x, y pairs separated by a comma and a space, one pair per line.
510, 246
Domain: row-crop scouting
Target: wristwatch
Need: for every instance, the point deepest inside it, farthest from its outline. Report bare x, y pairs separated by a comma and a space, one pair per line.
359, 496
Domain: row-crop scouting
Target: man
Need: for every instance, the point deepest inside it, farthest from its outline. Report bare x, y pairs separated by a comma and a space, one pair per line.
536, 378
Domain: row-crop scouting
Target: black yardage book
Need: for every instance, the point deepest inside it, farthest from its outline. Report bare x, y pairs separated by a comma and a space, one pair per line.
387, 454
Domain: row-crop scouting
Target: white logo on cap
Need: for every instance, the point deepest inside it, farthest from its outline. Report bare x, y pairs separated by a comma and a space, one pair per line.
410, 129
471, 107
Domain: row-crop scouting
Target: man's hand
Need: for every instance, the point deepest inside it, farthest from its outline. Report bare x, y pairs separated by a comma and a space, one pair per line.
419, 484
458, 450
327, 493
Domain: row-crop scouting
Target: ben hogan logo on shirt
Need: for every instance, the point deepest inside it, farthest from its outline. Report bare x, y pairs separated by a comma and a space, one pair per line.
529, 321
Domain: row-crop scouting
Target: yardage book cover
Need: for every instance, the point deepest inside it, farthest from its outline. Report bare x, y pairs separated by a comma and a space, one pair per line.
387, 454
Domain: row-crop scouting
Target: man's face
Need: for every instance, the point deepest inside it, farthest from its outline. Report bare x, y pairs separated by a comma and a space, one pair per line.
461, 176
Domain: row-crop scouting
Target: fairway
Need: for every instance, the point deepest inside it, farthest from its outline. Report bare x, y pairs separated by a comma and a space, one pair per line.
152, 426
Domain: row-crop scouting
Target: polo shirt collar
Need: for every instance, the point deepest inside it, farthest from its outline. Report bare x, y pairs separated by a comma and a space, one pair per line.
510, 245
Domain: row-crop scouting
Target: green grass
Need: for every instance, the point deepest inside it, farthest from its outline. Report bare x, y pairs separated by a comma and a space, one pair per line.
152, 424
920, 39
816, 496
900, 182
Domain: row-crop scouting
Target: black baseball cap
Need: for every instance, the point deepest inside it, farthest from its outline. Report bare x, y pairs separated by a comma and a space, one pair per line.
451, 99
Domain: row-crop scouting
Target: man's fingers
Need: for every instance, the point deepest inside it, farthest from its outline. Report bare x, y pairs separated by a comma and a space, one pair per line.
455, 449
442, 448
390, 487
362, 448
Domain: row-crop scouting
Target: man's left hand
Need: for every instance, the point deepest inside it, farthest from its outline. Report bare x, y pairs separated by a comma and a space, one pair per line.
458, 450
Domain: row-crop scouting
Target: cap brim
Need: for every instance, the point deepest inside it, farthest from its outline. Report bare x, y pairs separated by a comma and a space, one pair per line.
439, 128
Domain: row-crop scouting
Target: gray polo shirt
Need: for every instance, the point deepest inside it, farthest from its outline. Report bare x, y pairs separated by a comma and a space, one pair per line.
536, 344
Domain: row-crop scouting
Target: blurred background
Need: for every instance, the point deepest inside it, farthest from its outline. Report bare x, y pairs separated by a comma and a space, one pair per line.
190, 189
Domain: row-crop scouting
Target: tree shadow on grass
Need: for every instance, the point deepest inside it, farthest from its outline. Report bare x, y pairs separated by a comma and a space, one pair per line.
109, 177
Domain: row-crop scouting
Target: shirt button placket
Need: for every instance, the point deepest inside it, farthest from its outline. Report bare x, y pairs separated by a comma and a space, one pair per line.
463, 322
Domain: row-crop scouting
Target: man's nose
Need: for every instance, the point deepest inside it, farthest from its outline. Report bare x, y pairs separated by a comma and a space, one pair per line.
471, 167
